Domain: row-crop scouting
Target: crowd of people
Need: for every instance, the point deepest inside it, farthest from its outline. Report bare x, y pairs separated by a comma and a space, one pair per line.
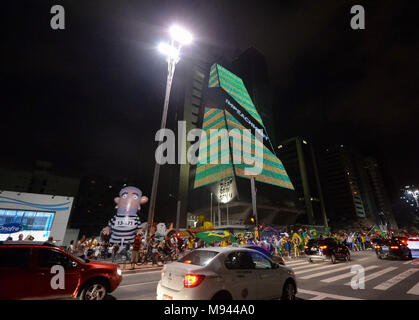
159, 249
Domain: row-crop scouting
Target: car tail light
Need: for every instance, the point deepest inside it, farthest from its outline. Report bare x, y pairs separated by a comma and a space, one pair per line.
323, 247
305, 247
193, 280
187, 261
377, 247
394, 247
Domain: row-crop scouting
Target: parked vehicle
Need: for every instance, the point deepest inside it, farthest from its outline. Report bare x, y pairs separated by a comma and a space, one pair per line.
28, 268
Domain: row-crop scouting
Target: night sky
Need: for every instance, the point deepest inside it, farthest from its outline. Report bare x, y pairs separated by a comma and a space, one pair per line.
89, 98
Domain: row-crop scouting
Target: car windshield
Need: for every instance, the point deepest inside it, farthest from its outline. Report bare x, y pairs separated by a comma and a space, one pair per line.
80, 259
199, 257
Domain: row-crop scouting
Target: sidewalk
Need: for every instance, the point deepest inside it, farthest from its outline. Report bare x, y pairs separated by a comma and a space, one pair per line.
126, 267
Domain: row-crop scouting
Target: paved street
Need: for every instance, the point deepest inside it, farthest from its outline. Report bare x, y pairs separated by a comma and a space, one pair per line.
384, 279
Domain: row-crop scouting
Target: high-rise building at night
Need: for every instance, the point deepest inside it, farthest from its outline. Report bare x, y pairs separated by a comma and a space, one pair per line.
299, 160
353, 188
195, 198
381, 199
251, 66
341, 186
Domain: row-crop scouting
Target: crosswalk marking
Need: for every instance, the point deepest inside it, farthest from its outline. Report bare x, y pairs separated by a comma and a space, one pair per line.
316, 268
345, 275
296, 263
376, 274
314, 275
391, 282
327, 295
414, 290
408, 262
363, 259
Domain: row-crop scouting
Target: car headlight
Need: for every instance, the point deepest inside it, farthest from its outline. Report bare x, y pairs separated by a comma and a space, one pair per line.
119, 272
291, 272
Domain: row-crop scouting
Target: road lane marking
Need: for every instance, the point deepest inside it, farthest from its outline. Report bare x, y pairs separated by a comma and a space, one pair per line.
317, 268
296, 263
137, 284
391, 282
363, 259
414, 290
408, 262
319, 274
345, 275
310, 265
376, 274
327, 295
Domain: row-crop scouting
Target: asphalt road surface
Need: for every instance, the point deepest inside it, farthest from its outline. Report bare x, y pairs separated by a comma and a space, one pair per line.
384, 279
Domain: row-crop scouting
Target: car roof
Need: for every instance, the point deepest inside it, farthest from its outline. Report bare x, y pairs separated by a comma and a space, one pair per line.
26, 243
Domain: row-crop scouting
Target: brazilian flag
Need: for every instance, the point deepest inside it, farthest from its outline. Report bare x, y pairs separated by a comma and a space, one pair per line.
313, 233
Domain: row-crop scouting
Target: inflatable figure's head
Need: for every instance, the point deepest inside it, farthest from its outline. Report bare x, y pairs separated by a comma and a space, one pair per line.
129, 201
161, 229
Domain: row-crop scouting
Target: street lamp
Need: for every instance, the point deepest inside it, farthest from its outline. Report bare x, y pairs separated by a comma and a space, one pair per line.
179, 37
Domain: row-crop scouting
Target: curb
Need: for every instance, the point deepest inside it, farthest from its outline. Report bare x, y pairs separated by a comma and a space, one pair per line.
125, 272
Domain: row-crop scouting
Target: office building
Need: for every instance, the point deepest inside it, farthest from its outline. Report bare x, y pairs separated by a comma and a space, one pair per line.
299, 159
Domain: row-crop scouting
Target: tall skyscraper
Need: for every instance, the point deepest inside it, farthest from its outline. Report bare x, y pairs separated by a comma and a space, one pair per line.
353, 188
251, 66
341, 185
197, 80
299, 160
380, 195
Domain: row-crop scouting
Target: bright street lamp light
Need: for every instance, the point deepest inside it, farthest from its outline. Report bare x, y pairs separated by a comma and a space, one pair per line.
179, 37
168, 50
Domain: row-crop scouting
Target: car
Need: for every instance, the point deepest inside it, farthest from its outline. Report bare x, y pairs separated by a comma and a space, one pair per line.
394, 248
413, 245
226, 273
29, 270
326, 249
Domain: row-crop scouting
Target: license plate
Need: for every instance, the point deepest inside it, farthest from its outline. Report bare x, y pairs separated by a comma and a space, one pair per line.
384, 248
167, 297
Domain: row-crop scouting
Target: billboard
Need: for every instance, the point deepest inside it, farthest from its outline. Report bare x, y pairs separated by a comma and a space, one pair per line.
35, 223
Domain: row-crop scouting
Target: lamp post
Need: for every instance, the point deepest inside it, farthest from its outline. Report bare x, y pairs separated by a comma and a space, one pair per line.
179, 37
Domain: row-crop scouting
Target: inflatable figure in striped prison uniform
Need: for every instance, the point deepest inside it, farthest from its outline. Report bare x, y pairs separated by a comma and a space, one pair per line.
125, 224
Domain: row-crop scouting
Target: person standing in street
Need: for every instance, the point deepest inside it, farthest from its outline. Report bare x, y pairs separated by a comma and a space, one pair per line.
138, 241
71, 248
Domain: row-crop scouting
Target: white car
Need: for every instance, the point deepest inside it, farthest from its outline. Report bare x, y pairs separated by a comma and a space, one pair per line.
413, 245
224, 273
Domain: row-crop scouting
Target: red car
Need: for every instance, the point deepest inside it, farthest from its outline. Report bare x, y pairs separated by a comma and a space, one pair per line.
31, 270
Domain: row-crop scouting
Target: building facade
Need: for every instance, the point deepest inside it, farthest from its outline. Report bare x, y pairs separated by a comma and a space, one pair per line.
299, 159
353, 189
